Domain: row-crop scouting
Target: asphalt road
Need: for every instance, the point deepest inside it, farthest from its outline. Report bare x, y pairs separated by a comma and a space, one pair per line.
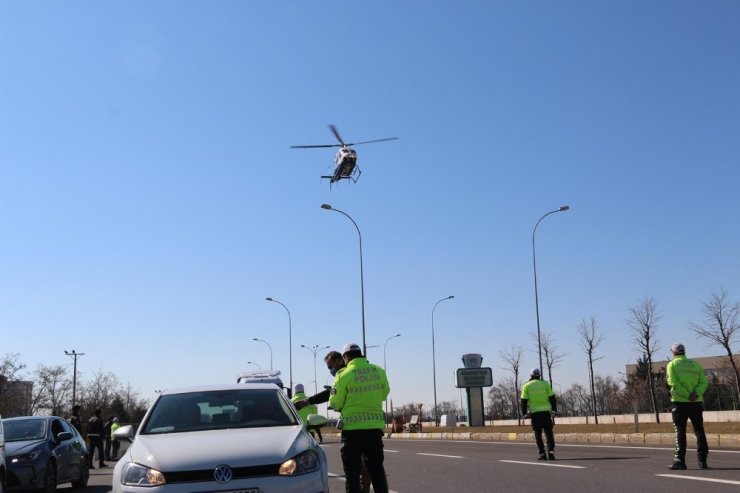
448, 466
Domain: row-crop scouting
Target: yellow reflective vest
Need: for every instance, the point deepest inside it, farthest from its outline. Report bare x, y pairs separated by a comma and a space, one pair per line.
358, 393
310, 409
684, 377
537, 392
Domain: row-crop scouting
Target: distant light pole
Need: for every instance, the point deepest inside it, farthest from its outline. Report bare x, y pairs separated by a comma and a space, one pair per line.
434, 360
314, 349
268, 345
255, 364
385, 366
74, 355
534, 265
362, 280
290, 343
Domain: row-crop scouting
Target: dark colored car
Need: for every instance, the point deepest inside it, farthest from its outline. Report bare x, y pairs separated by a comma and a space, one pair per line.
43, 451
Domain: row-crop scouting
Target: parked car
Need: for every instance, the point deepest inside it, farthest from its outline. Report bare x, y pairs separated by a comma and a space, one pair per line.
42, 452
240, 437
3, 474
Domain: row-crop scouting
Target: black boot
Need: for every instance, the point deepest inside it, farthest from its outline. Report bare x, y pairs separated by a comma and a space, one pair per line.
678, 465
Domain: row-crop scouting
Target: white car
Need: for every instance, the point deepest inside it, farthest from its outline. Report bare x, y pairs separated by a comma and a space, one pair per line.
232, 438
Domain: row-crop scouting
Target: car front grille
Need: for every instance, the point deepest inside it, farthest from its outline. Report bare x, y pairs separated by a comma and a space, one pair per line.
207, 474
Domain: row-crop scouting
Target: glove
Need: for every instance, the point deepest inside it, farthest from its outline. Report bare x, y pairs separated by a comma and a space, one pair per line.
527, 416
693, 396
301, 404
340, 424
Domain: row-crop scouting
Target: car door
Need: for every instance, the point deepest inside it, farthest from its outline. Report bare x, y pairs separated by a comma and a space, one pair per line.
62, 450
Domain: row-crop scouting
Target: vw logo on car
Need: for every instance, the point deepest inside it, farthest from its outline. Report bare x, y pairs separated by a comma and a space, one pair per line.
222, 474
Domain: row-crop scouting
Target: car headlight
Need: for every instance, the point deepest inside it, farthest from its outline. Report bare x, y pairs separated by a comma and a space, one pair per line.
303, 463
30, 457
136, 475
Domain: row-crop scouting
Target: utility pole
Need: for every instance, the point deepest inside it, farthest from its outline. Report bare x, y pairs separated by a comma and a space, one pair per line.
74, 355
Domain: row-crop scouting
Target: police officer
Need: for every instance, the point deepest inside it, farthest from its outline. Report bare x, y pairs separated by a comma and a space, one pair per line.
358, 393
116, 443
304, 411
335, 364
688, 383
539, 397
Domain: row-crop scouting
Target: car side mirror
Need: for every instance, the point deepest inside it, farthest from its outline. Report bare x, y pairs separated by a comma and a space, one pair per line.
64, 435
124, 433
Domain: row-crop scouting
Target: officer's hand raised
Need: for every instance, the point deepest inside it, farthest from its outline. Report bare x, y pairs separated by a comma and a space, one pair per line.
301, 404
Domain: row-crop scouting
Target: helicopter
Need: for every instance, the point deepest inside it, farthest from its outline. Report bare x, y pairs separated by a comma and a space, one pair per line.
345, 161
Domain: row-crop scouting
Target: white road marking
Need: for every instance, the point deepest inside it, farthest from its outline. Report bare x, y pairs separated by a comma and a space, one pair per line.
391, 451
442, 455
542, 463
695, 478
586, 445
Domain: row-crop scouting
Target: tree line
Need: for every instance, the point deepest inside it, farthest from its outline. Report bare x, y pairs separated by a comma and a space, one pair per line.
48, 391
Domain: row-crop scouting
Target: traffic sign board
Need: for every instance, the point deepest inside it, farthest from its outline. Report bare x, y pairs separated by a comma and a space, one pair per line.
473, 377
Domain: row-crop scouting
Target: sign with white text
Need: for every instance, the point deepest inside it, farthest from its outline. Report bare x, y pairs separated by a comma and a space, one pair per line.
473, 377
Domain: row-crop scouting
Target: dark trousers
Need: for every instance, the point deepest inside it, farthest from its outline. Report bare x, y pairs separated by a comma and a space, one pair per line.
367, 446
542, 421
96, 442
682, 412
317, 430
116, 448
107, 449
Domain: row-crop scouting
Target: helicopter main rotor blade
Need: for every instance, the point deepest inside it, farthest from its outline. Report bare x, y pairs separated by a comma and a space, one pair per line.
371, 141
314, 146
336, 134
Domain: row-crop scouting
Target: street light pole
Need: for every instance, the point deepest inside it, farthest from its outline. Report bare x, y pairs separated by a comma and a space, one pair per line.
255, 364
534, 266
385, 367
268, 345
290, 343
74, 355
362, 280
434, 359
314, 349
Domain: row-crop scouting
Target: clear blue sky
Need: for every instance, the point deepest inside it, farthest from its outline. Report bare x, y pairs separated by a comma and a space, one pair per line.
150, 201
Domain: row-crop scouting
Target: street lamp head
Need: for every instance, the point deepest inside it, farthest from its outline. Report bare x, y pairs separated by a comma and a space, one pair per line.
269, 299
326, 206
451, 296
565, 208
303, 345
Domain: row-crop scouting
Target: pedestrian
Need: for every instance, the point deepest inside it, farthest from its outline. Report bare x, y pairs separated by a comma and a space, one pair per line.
537, 395
95, 431
107, 439
358, 394
300, 395
688, 383
116, 443
75, 420
335, 364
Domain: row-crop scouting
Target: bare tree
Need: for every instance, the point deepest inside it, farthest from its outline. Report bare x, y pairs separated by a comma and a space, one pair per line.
552, 353
720, 325
11, 371
590, 342
644, 323
513, 358
51, 390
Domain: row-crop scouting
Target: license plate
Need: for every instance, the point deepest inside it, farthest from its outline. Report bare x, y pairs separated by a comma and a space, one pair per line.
247, 490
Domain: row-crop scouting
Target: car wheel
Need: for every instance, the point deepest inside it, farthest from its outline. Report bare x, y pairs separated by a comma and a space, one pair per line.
84, 475
50, 479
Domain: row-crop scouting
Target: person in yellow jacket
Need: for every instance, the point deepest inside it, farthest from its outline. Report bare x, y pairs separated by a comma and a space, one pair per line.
688, 383
116, 443
358, 394
537, 395
304, 411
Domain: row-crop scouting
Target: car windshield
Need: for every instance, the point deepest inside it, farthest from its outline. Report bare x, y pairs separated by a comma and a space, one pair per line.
19, 430
213, 410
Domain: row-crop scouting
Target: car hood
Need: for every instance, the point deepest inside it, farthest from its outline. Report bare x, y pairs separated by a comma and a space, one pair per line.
236, 447
21, 447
